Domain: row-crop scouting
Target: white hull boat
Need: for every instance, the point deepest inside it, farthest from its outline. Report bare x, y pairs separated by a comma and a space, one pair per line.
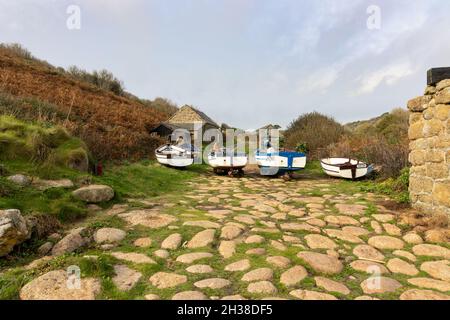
278, 163
174, 156
345, 168
227, 162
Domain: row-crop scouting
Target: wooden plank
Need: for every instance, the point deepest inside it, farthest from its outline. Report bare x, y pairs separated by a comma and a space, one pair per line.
436, 75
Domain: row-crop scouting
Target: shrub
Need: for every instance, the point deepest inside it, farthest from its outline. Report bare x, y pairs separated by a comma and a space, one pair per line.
17, 50
102, 79
314, 131
69, 213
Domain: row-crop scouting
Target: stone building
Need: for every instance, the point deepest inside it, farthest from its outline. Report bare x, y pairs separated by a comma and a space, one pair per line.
429, 135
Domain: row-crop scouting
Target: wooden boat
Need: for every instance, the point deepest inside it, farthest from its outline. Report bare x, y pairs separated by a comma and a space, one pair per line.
175, 156
345, 168
227, 162
280, 163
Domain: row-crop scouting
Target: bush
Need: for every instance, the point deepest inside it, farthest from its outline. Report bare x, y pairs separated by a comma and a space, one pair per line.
314, 131
70, 213
396, 188
17, 50
102, 79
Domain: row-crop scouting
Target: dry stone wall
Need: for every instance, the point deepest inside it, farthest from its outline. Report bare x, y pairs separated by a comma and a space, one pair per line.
429, 134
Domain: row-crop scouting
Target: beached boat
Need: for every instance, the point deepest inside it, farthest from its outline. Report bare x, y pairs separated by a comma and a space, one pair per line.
175, 156
227, 162
345, 168
280, 163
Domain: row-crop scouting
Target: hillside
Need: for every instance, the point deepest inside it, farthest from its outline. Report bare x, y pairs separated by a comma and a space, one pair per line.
113, 126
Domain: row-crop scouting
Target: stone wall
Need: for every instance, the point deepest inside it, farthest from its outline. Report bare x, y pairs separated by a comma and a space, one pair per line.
429, 134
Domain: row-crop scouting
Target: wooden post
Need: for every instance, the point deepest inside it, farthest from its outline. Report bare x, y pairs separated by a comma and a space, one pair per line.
436, 75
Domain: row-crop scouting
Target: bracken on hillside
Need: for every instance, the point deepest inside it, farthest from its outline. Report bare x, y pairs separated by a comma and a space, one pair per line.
112, 126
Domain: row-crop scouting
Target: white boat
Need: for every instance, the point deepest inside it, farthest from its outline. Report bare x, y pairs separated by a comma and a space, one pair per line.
175, 156
227, 162
345, 168
278, 163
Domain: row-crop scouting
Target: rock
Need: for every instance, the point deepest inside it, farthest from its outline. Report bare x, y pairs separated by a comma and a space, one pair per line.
38, 263
293, 226
203, 224
278, 245
279, 261
54, 237
383, 217
256, 251
53, 286
13, 230
365, 298
351, 209
43, 185
199, 268
152, 297
45, 248
125, 278
431, 250
163, 254
227, 249
240, 265
164, 280
109, 235
397, 265
133, 257
230, 232
262, 287
94, 193
202, 239
148, 218
364, 251
71, 242
369, 267
143, 242
258, 275
331, 285
316, 241
437, 236
254, 239
437, 269
189, 295
341, 220
377, 284
316, 222
344, 236
386, 243
212, 283
321, 263
107, 246
428, 283
311, 295
20, 180
355, 231
172, 242
419, 104
293, 276
405, 254
392, 229
412, 238
234, 297
189, 258
416, 294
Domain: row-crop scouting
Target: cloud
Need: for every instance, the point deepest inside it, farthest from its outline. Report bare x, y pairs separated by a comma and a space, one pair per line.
319, 81
389, 75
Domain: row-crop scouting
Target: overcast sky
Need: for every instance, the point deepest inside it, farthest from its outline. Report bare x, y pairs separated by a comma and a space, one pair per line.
246, 62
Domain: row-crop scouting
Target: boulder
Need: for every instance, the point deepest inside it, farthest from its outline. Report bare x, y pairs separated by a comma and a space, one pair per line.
20, 180
71, 242
94, 193
13, 230
109, 235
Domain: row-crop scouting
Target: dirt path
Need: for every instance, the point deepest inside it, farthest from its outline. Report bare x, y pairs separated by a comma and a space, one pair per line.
254, 238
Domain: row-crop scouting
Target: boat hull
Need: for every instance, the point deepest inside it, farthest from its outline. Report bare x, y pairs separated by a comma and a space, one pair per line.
343, 168
280, 163
174, 156
227, 162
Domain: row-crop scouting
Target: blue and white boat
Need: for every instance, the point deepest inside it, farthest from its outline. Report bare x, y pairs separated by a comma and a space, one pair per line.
272, 163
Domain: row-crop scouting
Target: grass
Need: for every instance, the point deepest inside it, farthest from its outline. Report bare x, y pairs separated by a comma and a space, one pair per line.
147, 179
